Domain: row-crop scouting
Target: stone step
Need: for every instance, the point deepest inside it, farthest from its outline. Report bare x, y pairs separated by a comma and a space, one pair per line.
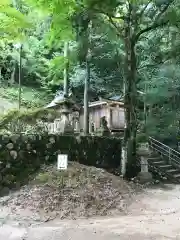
156, 160
165, 166
173, 170
153, 153
154, 157
176, 175
159, 162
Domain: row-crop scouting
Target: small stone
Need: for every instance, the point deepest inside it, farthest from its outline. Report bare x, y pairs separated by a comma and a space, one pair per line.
145, 177
24, 138
10, 145
48, 145
8, 165
47, 219
31, 137
52, 140
39, 137
18, 185
58, 152
5, 137
14, 138
78, 138
21, 153
28, 146
4, 191
13, 154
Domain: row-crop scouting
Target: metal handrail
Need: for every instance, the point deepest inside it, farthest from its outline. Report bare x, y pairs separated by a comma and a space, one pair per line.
172, 155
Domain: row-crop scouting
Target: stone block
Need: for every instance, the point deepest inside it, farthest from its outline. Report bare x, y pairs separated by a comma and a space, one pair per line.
145, 177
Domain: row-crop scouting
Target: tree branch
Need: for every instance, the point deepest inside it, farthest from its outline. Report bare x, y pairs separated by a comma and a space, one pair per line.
165, 8
109, 15
150, 28
144, 9
150, 65
157, 23
115, 26
120, 17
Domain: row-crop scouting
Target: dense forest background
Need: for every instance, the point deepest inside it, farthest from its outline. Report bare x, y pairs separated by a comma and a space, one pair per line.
42, 27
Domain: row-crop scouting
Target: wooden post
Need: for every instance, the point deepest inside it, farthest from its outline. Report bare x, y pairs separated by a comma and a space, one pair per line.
86, 100
109, 117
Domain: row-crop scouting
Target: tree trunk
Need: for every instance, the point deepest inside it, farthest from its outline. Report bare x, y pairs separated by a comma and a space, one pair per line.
12, 80
66, 69
87, 45
20, 76
86, 101
129, 142
1, 77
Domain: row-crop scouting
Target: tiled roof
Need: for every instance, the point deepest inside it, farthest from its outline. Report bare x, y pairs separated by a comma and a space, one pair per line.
116, 98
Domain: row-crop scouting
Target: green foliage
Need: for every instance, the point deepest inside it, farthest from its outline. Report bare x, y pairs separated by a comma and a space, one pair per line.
57, 21
31, 98
13, 23
164, 116
61, 13
142, 138
43, 65
26, 120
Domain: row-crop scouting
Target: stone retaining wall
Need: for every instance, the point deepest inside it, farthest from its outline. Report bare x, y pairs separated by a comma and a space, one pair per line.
22, 155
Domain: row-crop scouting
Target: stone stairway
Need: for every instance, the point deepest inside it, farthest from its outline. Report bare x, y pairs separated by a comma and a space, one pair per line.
159, 166
164, 161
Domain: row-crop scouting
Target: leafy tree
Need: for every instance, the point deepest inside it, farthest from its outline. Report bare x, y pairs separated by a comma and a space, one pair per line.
12, 21
159, 79
133, 43
131, 20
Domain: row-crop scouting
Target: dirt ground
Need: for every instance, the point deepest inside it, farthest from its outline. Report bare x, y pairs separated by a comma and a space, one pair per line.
154, 214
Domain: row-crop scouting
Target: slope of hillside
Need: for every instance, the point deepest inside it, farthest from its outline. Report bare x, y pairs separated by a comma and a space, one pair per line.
30, 98
6, 105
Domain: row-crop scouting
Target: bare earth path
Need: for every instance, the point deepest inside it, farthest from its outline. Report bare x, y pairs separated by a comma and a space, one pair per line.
155, 214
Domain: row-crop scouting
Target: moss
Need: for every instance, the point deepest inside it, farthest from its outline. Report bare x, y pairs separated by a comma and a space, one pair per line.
27, 116
97, 151
142, 137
